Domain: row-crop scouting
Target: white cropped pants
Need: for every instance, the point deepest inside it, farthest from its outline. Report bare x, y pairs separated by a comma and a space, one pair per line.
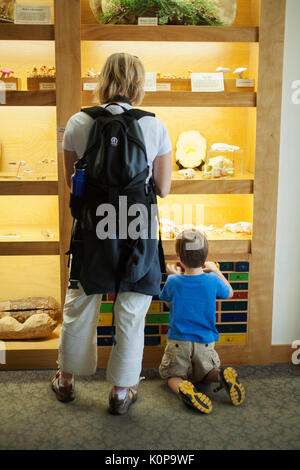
78, 336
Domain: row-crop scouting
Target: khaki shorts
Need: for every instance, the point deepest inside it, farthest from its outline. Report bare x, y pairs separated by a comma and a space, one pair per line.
188, 360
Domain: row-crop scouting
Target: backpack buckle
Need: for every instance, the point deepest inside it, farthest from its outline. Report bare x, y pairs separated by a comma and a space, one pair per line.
147, 188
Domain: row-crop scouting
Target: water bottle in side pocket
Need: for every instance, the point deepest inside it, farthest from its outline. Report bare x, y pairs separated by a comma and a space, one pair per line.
78, 192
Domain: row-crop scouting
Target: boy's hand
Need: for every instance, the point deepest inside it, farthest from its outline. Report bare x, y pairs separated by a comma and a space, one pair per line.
210, 267
174, 269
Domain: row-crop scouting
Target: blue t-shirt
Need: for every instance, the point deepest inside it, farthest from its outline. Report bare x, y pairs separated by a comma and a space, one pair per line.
193, 306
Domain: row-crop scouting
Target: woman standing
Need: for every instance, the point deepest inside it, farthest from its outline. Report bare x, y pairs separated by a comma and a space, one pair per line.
121, 82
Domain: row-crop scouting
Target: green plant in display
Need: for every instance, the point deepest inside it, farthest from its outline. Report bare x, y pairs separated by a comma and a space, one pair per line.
184, 12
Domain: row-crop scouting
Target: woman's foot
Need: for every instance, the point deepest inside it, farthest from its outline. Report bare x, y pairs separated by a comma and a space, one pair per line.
191, 397
229, 381
120, 400
63, 386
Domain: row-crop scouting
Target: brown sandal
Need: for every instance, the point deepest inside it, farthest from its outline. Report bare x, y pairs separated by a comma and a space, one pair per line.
64, 394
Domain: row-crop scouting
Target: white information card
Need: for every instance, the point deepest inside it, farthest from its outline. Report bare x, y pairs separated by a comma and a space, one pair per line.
207, 82
32, 14
148, 21
150, 81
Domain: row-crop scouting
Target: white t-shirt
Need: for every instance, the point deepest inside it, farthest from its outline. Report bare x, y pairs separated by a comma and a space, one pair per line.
155, 133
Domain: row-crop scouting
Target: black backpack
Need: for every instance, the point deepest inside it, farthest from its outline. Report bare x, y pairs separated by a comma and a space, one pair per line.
116, 165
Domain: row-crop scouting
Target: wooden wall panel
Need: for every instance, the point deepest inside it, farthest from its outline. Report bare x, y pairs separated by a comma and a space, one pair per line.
266, 179
68, 95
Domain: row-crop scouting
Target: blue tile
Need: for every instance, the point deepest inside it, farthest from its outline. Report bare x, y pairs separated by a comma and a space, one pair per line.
233, 317
104, 341
152, 340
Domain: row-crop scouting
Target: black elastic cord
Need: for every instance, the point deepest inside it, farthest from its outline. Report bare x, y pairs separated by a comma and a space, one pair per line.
120, 98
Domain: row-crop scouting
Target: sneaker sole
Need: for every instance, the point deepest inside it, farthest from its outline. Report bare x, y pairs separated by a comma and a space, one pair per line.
233, 387
191, 397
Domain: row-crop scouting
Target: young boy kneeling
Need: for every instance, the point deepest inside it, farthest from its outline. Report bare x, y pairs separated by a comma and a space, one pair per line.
191, 292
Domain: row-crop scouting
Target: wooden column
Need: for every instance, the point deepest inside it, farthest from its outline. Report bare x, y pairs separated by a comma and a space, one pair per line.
68, 99
269, 94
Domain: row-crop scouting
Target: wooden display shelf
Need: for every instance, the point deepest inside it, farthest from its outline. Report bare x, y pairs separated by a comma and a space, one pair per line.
92, 32
31, 241
238, 98
11, 187
240, 184
28, 233
30, 98
21, 32
32, 354
221, 246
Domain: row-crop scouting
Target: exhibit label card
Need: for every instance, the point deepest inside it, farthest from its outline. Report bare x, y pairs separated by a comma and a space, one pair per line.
207, 82
147, 21
150, 81
32, 14
89, 86
60, 137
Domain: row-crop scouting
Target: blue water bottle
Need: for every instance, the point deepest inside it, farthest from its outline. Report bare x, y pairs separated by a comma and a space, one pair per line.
78, 191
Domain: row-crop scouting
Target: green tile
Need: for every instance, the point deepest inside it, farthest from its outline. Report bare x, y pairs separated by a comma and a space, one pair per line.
106, 308
157, 318
238, 276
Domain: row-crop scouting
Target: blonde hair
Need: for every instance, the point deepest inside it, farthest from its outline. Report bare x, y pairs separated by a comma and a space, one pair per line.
122, 74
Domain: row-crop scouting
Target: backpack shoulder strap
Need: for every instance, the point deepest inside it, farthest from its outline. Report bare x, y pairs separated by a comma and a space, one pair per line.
139, 113
96, 111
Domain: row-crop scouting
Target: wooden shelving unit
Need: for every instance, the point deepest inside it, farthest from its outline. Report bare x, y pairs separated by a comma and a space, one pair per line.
10, 187
30, 98
69, 99
242, 184
168, 33
20, 32
187, 99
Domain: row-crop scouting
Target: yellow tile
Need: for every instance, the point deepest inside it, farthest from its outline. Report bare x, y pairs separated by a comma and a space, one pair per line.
232, 339
154, 307
105, 320
163, 340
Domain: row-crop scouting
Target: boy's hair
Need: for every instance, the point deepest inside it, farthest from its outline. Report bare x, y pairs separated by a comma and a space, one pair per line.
192, 248
122, 74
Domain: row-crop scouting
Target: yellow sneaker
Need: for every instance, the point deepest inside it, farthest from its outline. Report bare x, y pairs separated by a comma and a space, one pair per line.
191, 397
232, 385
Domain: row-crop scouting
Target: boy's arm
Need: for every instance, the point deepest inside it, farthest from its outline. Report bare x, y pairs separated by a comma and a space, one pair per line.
211, 267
